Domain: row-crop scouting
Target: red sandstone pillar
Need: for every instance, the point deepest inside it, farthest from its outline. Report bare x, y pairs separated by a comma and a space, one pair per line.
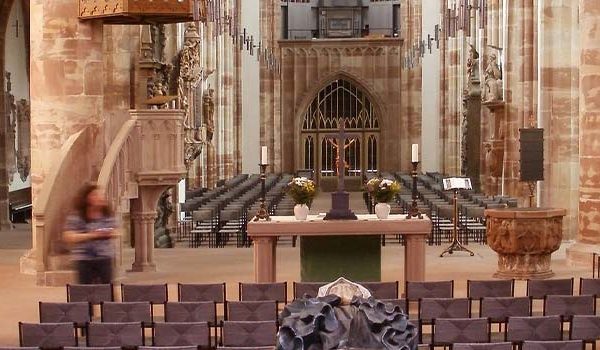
588, 239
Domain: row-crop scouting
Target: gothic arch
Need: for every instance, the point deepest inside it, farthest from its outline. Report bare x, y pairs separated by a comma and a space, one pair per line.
5, 8
308, 98
369, 90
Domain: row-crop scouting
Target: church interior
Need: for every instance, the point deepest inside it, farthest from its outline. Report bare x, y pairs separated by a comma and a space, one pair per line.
178, 174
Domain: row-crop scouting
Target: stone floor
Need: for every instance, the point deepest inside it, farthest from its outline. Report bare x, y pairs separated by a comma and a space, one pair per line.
19, 295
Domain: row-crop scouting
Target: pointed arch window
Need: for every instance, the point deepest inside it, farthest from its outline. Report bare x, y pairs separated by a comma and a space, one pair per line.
340, 100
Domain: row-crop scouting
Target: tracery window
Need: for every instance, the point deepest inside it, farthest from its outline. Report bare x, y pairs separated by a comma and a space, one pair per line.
340, 100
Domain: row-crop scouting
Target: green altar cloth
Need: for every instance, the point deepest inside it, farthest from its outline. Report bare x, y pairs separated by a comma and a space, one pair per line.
325, 258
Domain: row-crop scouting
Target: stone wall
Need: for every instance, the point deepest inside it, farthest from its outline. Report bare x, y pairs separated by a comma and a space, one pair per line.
371, 64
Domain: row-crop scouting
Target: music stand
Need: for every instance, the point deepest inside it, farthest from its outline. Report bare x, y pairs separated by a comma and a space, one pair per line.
454, 184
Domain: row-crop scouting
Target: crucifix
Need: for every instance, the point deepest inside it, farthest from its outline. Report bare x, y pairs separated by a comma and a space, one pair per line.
340, 200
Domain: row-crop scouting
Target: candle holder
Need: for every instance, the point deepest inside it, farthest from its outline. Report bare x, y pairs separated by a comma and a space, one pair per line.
413, 211
263, 213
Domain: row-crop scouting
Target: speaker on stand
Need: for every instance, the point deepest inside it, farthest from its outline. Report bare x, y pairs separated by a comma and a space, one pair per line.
531, 163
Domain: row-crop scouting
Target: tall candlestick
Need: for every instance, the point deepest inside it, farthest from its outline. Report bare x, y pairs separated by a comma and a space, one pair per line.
264, 155
415, 153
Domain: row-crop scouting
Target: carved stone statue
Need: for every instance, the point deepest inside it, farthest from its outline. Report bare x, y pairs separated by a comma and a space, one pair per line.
10, 115
24, 140
492, 91
190, 60
473, 63
162, 233
208, 111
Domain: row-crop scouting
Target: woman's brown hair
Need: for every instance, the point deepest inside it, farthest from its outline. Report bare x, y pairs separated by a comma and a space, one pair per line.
81, 202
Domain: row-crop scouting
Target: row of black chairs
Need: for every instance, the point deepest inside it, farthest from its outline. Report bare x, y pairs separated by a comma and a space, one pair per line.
224, 217
81, 313
445, 332
132, 335
413, 291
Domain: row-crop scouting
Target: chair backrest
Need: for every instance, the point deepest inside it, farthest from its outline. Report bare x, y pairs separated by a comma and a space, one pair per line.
586, 328
544, 328
310, 289
152, 293
400, 302
263, 291
553, 345
92, 348
248, 333
203, 311
244, 348
567, 306
382, 290
125, 334
92, 293
75, 312
166, 348
47, 335
202, 292
127, 312
490, 288
431, 308
429, 289
447, 331
589, 286
499, 309
252, 310
538, 289
202, 214
181, 334
488, 346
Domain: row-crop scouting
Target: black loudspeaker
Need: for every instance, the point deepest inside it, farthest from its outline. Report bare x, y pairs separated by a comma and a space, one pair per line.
532, 154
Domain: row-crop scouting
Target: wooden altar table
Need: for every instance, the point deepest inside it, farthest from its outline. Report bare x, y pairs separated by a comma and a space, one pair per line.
265, 233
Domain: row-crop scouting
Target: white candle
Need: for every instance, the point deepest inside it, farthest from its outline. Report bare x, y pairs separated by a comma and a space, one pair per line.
263, 155
415, 153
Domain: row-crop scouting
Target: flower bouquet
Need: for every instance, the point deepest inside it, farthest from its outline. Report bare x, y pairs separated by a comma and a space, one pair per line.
383, 190
302, 191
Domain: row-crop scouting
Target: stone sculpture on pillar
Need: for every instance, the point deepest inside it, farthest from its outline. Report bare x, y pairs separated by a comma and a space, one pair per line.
473, 63
24, 141
492, 90
162, 232
208, 111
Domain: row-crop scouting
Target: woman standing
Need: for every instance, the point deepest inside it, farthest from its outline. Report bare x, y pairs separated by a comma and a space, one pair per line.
90, 230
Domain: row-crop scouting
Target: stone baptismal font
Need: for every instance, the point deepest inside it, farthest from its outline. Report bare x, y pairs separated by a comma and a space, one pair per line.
344, 315
524, 239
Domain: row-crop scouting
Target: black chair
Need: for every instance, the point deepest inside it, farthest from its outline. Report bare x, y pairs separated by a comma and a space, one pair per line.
181, 334
553, 345
75, 312
245, 334
47, 335
126, 334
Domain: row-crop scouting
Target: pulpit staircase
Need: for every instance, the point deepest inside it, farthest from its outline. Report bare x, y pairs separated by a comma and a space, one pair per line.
144, 159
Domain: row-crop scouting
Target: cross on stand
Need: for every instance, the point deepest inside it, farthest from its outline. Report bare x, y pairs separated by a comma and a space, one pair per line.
340, 200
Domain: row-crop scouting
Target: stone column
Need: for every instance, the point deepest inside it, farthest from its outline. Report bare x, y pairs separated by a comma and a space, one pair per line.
66, 97
521, 95
143, 216
559, 109
270, 87
66, 92
588, 240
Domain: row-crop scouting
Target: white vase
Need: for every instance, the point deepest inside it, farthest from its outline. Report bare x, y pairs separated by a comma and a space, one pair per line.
301, 212
382, 210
